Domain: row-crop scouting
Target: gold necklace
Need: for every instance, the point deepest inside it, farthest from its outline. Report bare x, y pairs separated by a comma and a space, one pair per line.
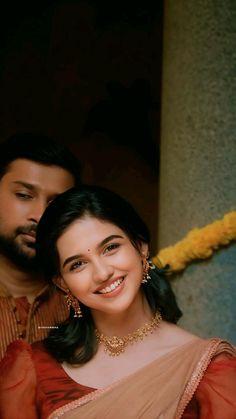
115, 345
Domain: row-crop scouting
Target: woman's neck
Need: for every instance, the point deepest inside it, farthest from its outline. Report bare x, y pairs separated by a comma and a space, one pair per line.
125, 322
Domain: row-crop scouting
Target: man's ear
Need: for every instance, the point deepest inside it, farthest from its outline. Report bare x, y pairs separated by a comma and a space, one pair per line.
59, 282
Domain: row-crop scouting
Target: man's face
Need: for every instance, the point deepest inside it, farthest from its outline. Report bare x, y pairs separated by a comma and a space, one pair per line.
25, 191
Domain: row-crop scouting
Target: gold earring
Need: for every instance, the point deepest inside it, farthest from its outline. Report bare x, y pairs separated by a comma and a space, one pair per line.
147, 265
71, 301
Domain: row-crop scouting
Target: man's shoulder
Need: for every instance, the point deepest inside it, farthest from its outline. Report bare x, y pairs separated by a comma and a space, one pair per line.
4, 291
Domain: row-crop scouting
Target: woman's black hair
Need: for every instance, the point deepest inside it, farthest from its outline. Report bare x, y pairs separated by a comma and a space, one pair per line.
74, 341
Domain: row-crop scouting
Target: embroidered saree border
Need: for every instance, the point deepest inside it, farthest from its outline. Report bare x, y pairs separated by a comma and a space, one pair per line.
199, 371
75, 403
81, 401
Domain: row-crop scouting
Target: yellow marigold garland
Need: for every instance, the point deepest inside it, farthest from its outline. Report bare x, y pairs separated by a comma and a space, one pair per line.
199, 243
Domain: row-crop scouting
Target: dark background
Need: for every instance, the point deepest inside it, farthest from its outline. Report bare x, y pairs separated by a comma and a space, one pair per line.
88, 73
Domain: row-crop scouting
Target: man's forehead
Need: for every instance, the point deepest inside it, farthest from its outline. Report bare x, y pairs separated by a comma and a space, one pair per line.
23, 163
33, 174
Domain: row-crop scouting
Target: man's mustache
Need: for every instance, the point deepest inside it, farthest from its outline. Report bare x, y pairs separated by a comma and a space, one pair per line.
31, 228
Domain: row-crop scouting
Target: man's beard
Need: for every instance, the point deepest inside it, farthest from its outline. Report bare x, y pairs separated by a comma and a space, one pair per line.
15, 252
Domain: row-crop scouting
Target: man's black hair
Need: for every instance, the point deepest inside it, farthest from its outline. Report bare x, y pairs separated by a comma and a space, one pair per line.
38, 148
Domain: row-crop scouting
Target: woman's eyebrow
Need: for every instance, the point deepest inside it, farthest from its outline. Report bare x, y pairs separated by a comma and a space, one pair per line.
70, 259
103, 242
109, 238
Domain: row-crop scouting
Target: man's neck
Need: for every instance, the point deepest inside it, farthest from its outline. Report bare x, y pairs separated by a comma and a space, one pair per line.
18, 282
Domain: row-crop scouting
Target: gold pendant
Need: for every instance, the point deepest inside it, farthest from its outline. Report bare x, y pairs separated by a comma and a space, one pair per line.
114, 345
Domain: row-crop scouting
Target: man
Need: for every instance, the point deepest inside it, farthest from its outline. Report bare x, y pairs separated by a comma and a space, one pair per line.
33, 171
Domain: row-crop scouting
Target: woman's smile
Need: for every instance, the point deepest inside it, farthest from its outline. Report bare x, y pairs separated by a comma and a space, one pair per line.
112, 289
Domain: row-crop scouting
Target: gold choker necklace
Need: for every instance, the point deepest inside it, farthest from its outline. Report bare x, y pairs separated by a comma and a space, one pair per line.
115, 345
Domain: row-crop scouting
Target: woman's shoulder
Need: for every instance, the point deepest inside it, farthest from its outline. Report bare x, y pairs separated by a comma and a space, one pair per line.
42, 359
176, 336
19, 346
15, 350
16, 364
21, 352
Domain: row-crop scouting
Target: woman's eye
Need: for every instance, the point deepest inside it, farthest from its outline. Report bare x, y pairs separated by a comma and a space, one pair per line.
76, 265
111, 247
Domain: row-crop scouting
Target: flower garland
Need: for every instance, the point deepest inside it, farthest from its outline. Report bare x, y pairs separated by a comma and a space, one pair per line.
199, 243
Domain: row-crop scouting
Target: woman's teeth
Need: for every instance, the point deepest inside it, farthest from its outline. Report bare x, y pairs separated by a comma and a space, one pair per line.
112, 287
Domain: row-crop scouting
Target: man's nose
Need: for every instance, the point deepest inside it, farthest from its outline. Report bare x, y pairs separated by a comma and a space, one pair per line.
36, 210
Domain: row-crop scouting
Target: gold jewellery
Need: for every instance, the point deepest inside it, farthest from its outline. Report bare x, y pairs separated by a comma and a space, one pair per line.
115, 345
72, 301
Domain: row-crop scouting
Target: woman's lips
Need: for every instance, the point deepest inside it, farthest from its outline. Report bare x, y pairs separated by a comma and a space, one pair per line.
113, 289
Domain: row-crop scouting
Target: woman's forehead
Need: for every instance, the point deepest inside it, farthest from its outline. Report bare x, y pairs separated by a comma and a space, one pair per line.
90, 228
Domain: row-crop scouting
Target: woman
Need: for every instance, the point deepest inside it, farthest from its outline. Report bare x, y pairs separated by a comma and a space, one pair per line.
120, 354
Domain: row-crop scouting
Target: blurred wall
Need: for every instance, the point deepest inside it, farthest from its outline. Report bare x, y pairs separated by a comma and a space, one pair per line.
88, 74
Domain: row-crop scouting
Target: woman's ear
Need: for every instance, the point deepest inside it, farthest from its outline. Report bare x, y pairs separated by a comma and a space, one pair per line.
144, 250
59, 282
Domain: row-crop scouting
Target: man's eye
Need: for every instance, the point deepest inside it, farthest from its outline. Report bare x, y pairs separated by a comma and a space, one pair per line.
23, 196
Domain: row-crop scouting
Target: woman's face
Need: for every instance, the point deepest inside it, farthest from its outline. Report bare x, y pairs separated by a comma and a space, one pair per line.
100, 266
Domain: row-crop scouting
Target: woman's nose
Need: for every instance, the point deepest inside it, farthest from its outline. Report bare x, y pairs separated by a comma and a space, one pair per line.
102, 271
